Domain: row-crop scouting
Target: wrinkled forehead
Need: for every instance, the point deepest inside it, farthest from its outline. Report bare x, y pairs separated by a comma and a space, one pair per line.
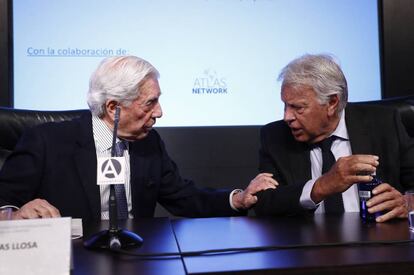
149, 88
296, 92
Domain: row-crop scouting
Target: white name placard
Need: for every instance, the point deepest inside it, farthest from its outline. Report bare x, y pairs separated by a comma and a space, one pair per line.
111, 170
37, 246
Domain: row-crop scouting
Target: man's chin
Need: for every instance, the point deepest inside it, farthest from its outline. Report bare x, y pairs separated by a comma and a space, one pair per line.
136, 137
300, 137
141, 135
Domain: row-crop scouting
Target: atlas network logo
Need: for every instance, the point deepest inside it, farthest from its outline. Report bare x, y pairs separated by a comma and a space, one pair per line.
111, 168
210, 83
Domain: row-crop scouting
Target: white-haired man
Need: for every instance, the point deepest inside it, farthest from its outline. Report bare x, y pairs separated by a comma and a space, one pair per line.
320, 128
53, 170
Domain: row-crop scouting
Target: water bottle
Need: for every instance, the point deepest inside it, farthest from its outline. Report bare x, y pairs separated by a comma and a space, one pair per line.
365, 193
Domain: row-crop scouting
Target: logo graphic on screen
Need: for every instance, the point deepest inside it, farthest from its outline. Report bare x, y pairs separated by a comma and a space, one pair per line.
210, 83
111, 168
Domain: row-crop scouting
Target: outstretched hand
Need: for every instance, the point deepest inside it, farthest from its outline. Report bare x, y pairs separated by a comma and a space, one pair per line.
247, 198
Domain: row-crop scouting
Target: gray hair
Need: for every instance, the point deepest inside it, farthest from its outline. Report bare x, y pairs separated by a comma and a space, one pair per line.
117, 78
319, 72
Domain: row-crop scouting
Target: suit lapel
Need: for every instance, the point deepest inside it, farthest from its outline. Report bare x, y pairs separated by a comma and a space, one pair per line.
300, 161
86, 163
359, 130
138, 170
298, 165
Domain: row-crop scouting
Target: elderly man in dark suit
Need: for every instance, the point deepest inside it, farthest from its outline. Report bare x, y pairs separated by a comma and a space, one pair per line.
362, 141
53, 169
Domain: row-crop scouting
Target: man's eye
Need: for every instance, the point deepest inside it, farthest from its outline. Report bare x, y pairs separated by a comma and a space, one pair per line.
299, 109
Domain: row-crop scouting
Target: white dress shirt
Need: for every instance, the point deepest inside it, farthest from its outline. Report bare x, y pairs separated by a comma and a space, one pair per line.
340, 148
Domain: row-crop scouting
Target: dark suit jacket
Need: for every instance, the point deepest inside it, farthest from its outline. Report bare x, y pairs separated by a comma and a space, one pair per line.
57, 162
372, 130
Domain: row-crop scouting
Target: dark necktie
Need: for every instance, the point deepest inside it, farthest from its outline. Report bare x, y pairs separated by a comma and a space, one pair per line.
334, 203
120, 194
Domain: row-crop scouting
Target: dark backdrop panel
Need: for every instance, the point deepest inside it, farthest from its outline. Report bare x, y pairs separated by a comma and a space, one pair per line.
219, 157
6, 56
397, 46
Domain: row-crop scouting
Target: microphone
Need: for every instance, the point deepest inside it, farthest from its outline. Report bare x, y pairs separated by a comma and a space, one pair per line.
112, 203
114, 238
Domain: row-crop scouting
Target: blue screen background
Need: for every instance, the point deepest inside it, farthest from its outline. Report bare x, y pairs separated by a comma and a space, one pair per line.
218, 60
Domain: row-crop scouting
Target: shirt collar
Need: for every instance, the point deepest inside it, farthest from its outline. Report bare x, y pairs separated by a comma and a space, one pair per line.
341, 130
102, 134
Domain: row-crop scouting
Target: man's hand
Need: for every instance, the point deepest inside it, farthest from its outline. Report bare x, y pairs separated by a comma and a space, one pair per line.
37, 208
345, 172
387, 199
247, 198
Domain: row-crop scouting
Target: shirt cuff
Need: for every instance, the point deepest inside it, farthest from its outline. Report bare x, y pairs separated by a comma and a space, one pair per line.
9, 206
305, 199
234, 192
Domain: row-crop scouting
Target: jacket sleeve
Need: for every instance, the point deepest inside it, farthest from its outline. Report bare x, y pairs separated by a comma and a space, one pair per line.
406, 154
183, 198
284, 200
20, 175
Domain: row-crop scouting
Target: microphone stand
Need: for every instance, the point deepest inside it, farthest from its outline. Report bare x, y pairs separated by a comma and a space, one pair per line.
114, 238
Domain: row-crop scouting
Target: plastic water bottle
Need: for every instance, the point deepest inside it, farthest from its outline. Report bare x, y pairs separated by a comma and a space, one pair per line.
365, 193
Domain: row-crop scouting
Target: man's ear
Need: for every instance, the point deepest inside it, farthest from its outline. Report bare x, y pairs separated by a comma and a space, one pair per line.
333, 104
110, 108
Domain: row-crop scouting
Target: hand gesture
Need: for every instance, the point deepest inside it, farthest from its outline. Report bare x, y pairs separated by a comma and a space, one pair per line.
247, 198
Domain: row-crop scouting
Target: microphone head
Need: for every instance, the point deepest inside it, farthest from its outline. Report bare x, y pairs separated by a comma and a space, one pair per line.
115, 133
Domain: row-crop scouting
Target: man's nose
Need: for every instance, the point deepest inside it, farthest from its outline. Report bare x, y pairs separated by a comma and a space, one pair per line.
288, 116
157, 111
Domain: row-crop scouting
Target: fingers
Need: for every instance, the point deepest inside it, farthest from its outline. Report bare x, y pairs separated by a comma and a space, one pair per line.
383, 188
347, 171
386, 193
388, 200
247, 198
368, 159
261, 182
266, 178
359, 178
248, 201
398, 212
357, 165
37, 208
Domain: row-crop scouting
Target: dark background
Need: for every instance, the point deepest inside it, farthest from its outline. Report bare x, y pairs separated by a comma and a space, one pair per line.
228, 156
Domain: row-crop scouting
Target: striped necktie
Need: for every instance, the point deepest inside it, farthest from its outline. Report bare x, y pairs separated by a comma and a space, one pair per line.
121, 200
